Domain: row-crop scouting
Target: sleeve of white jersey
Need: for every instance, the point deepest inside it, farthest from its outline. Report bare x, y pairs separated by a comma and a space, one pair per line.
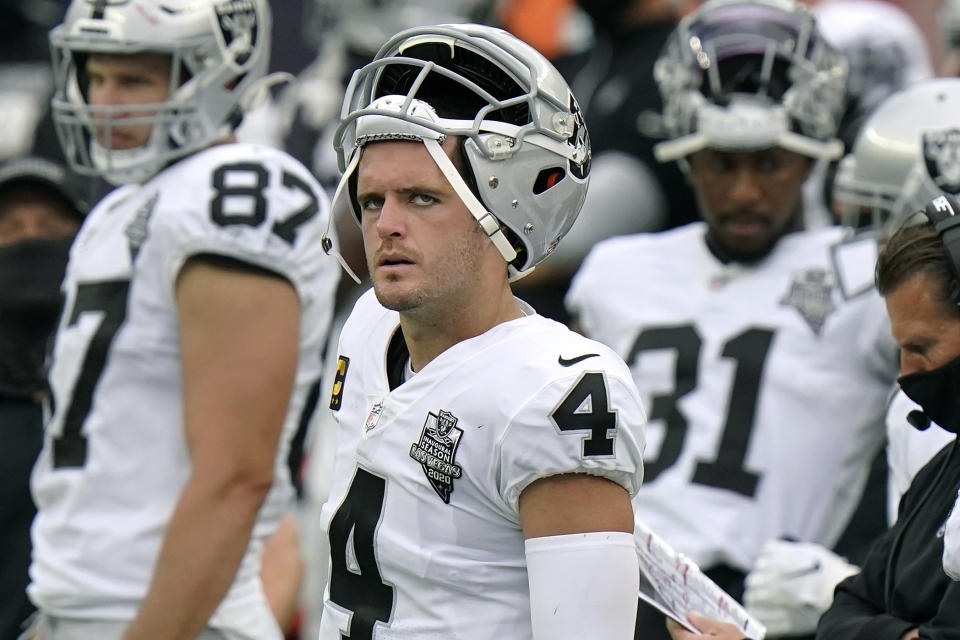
587, 420
250, 203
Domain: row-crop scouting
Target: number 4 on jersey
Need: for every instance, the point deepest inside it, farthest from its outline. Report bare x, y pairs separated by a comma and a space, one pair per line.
355, 581
585, 409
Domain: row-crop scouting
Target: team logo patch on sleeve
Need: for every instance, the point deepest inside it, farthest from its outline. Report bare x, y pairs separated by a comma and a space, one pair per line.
811, 293
336, 397
436, 452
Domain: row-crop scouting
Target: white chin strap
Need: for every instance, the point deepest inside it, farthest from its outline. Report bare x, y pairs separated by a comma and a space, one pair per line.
489, 224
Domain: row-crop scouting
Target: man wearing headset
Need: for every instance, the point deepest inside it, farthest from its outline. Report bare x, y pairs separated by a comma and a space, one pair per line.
902, 591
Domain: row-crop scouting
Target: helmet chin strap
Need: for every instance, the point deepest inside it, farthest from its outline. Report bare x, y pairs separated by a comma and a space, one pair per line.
486, 220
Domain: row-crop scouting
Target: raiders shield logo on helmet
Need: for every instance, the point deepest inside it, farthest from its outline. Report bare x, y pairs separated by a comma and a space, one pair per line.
238, 23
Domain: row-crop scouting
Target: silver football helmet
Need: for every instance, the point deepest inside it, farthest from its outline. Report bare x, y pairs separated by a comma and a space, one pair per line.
906, 153
523, 137
219, 51
743, 75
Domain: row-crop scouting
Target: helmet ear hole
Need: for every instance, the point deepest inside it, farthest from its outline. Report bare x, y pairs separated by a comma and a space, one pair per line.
548, 178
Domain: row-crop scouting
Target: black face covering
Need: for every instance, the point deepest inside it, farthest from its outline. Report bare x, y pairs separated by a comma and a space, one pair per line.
938, 393
607, 15
30, 275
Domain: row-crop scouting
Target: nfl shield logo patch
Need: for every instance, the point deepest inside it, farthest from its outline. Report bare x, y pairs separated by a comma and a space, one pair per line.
436, 452
811, 294
373, 418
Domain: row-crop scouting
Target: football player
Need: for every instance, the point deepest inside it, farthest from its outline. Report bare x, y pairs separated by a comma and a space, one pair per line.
197, 303
486, 455
761, 354
901, 593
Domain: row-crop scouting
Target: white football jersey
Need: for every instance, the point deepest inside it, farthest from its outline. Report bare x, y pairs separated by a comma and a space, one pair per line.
765, 385
422, 517
115, 458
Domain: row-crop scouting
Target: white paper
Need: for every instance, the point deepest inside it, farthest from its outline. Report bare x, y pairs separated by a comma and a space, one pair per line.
675, 585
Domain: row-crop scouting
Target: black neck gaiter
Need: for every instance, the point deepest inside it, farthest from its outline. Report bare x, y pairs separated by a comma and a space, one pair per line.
31, 272
938, 393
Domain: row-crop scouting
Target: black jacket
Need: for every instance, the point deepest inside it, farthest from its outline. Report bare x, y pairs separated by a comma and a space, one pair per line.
21, 430
902, 584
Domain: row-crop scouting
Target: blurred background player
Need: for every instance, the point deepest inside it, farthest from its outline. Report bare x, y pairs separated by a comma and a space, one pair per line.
901, 592
198, 300
760, 355
904, 156
41, 208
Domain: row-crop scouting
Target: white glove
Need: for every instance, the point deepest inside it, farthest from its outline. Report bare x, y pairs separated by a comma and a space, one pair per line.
951, 543
791, 585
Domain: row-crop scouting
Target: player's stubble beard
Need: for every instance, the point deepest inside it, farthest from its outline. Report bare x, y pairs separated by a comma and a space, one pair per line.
444, 285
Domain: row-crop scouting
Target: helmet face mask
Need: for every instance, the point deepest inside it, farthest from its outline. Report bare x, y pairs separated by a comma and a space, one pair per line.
218, 52
743, 75
906, 154
525, 146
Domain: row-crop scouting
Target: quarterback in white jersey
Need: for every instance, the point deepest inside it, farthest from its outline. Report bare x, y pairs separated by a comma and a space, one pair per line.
197, 304
428, 474
486, 456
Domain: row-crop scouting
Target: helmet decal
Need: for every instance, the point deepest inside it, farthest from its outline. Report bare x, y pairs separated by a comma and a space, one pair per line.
238, 26
941, 153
